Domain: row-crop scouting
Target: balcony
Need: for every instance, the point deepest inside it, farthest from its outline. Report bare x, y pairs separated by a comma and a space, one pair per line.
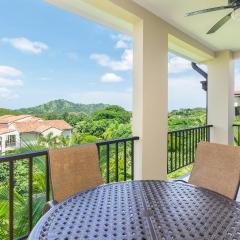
24, 208
153, 153
117, 160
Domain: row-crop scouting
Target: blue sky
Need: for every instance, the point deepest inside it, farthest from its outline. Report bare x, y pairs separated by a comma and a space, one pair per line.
47, 53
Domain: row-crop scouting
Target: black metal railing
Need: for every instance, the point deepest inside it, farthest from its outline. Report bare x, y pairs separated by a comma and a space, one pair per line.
117, 159
182, 146
116, 163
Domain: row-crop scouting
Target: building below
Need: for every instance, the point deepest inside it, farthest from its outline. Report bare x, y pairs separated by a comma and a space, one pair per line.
19, 131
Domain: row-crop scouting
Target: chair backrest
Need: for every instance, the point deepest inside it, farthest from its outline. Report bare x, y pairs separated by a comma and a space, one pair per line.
73, 170
217, 167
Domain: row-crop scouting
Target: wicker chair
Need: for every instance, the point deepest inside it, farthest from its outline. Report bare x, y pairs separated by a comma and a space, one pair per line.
217, 167
73, 170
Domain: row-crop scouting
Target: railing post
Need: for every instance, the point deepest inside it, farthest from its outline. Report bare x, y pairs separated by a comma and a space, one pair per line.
47, 179
107, 164
11, 200
132, 159
30, 192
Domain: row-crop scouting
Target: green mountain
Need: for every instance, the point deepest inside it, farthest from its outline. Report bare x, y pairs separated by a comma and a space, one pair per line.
5, 111
62, 106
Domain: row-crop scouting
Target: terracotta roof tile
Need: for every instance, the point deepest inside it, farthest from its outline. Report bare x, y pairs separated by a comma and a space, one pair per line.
59, 124
11, 118
33, 124
41, 126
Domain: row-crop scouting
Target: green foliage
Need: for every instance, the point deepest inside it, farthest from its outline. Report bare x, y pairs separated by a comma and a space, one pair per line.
61, 106
116, 113
95, 128
21, 193
116, 130
180, 172
186, 118
82, 138
4, 111
92, 123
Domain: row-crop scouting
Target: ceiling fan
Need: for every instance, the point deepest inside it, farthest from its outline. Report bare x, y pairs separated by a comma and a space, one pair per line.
234, 14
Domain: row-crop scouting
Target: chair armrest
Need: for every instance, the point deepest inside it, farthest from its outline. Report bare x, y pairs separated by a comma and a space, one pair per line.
49, 205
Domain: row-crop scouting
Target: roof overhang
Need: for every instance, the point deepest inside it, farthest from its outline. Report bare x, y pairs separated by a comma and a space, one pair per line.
122, 15
174, 12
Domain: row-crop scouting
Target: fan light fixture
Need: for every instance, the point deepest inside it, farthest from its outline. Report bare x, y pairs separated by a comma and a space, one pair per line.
236, 14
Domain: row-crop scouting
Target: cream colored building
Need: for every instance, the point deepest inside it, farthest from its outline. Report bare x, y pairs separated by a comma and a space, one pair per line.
19, 131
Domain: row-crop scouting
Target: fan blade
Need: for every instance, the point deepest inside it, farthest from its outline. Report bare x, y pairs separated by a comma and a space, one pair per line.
219, 24
208, 10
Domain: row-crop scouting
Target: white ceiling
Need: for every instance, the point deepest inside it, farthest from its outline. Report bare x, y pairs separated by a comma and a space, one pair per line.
173, 11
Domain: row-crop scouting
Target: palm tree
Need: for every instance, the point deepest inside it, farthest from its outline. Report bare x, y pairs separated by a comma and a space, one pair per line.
64, 141
21, 204
48, 141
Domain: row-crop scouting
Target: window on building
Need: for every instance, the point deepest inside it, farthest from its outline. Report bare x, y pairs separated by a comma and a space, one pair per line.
11, 140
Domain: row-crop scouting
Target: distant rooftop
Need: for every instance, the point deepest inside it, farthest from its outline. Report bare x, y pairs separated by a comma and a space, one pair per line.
12, 118
29, 123
41, 126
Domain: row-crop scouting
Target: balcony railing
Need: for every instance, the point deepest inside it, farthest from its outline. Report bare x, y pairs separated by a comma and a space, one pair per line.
182, 146
116, 164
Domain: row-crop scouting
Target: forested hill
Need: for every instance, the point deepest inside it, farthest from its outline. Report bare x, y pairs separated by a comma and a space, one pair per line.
74, 113
5, 111
62, 106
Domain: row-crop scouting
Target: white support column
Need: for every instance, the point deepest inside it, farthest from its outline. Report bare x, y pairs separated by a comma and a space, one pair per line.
150, 101
220, 97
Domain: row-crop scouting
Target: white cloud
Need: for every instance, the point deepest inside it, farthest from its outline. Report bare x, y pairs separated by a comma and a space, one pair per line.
111, 78
6, 82
121, 44
181, 65
9, 71
186, 92
178, 65
121, 37
25, 45
122, 41
73, 56
7, 94
124, 64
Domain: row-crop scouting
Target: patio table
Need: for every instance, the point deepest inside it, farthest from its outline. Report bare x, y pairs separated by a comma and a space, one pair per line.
142, 210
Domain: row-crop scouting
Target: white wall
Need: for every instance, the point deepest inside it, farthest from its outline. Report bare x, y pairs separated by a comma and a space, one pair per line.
28, 138
4, 138
55, 131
